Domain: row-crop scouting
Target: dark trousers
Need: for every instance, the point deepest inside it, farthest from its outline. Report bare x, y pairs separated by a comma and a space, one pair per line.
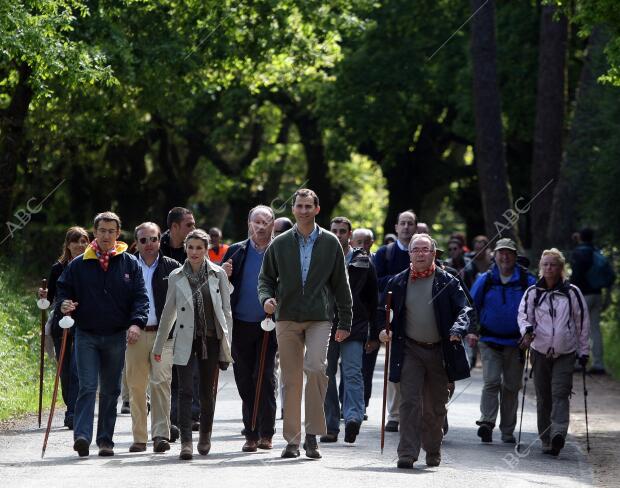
174, 393
423, 397
368, 370
69, 382
207, 369
247, 341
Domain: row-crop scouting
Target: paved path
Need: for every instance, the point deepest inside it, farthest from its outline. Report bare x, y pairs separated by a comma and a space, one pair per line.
466, 462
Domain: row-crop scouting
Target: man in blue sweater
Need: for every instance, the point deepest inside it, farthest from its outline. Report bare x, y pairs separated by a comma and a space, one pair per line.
242, 263
497, 294
104, 290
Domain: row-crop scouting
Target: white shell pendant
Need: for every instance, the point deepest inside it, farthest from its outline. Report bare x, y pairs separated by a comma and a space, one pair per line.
268, 325
66, 322
43, 303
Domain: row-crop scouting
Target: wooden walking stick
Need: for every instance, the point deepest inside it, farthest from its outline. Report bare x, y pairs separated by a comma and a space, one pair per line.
388, 320
267, 325
66, 323
43, 304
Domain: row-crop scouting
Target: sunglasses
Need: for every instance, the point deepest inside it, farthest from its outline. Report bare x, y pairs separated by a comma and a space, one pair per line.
143, 240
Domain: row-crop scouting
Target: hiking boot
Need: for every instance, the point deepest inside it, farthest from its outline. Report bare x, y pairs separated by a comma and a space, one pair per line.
106, 450
433, 459
290, 451
405, 462
485, 432
330, 437
391, 426
137, 447
204, 443
265, 443
81, 445
351, 430
557, 443
186, 451
174, 433
250, 446
311, 447
160, 445
125, 408
509, 439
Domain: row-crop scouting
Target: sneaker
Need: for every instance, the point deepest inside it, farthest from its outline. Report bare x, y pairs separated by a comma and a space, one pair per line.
391, 426
137, 447
81, 445
433, 459
174, 433
557, 443
311, 447
290, 451
485, 432
509, 439
351, 430
125, 408
405, 462
330, 437
106, 450
160, 445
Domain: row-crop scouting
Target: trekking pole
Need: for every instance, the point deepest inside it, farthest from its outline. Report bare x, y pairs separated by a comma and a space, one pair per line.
267, 325
66, 323
585, 404
386, 368
43, 304
527, 362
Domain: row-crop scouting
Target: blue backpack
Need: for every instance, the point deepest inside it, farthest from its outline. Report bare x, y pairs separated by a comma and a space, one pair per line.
601, 273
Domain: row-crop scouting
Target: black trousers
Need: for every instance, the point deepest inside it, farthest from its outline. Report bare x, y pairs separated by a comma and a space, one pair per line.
207, 369
247, 341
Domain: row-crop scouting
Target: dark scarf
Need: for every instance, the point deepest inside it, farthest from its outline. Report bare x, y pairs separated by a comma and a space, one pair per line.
197, 282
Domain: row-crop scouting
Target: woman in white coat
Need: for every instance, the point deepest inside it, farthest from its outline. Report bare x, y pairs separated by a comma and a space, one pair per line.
554, 323
199, 300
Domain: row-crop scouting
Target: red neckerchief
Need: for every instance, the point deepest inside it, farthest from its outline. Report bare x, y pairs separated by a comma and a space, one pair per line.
103, 257
414, 275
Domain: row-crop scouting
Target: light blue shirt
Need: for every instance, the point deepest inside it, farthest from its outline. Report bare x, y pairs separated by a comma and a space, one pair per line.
305, 250
147, 273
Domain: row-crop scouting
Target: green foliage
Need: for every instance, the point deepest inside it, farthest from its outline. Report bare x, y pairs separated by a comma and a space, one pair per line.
19, 347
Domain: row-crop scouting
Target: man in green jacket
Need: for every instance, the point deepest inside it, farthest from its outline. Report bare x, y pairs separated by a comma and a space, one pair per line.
303, 273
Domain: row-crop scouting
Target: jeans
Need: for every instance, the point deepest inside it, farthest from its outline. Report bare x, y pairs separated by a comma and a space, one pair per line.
100, 361
69, 382
369, 360
207, 369
351, 353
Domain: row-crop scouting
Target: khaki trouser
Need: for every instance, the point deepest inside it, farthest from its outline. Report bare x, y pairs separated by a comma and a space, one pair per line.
140, 365
393, 401
292, 337
423, 398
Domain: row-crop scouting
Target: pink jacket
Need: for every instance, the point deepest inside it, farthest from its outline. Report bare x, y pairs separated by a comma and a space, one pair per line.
559, 319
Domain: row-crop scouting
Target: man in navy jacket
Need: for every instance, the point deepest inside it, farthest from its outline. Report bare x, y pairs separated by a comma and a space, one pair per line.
104, 291
431, 316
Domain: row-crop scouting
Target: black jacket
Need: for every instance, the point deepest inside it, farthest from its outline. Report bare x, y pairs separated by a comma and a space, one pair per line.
176, 253
451, 313
237, 253
365, 293
108, 301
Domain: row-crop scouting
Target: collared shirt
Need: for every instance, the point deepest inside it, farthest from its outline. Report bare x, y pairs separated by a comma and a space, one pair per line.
305, 250
147, 273
256, 248
401, 246
348, 256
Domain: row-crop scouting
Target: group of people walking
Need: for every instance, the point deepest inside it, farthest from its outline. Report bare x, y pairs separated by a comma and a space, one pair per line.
173, 318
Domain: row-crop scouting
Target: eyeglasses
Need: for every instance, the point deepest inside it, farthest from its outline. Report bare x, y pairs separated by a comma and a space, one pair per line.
143, 240
420, 250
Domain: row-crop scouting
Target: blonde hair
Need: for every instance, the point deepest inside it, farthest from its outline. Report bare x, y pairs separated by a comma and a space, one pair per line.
556, 253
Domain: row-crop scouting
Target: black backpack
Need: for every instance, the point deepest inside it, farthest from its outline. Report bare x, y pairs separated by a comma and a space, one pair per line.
488, 281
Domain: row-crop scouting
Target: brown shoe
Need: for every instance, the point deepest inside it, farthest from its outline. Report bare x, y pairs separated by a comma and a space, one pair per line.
137, 447
204, 443
433, 459
265, 443
250, 446
186, 451
160, 444
106, 450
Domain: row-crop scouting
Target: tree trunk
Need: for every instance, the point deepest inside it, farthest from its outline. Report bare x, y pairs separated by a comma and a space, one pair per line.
490, 152
549, 126
574, 168
12, 141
